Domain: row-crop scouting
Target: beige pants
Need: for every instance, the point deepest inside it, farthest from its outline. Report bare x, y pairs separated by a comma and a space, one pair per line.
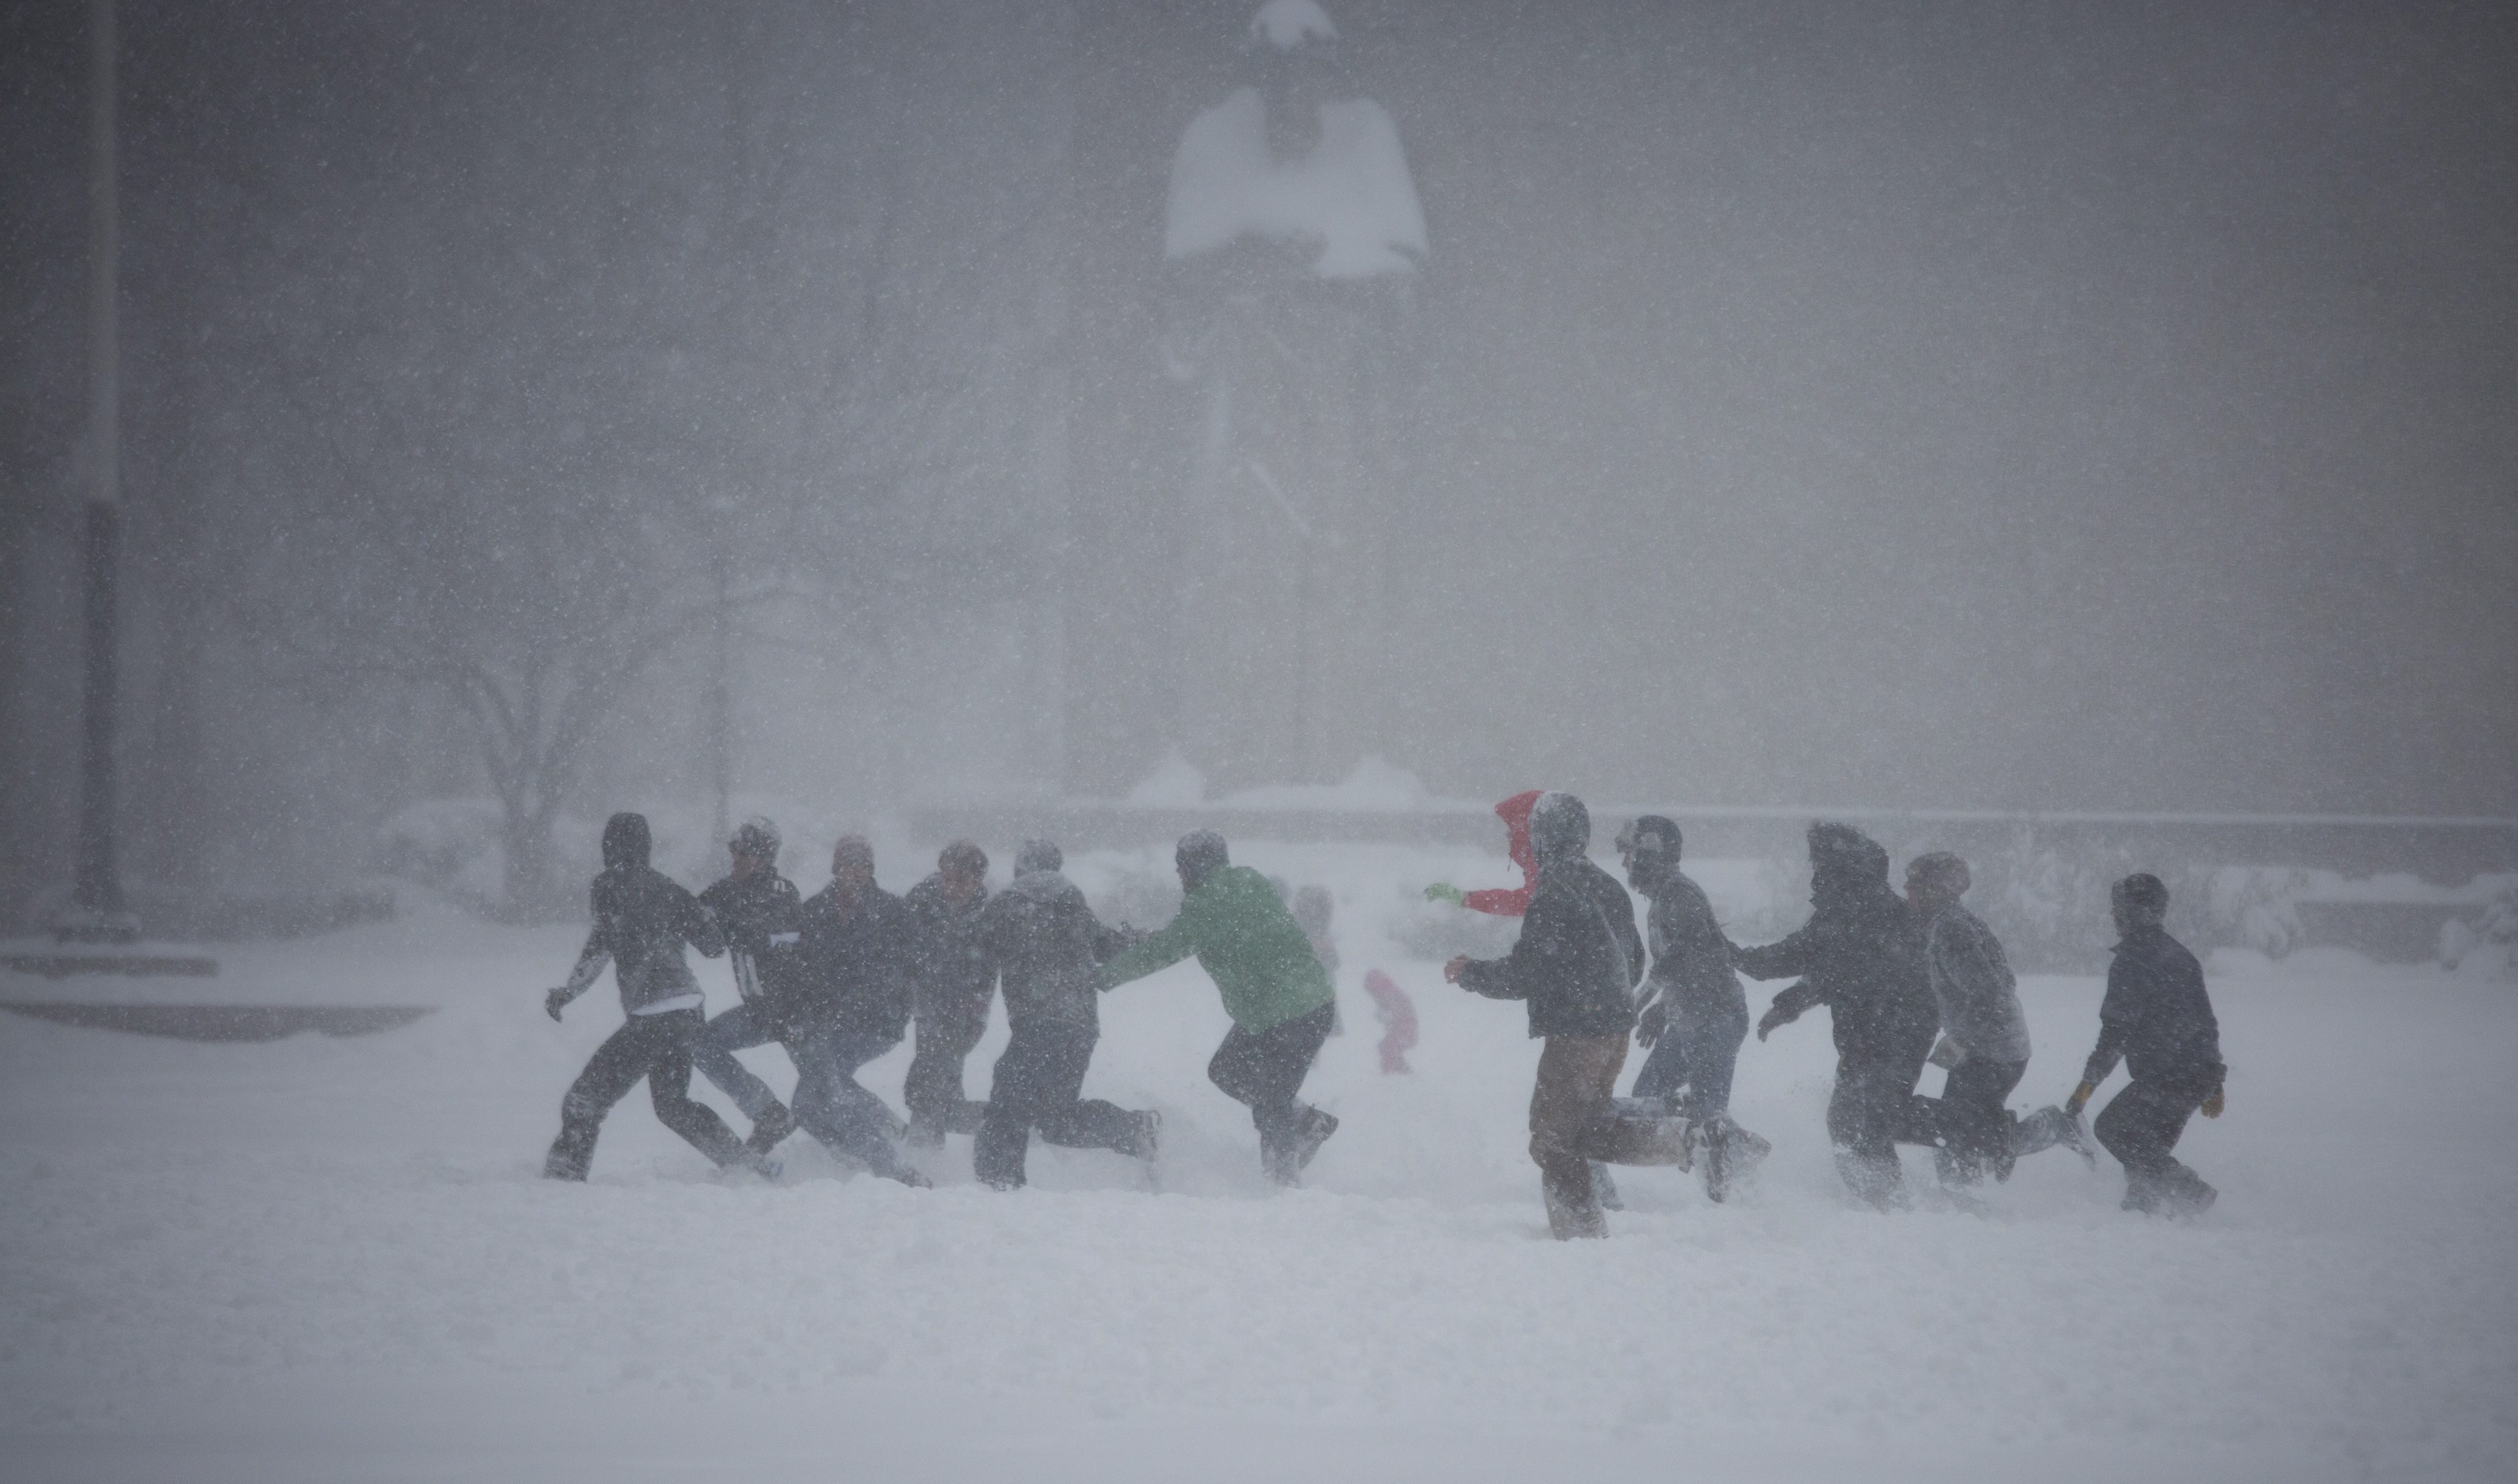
1576, 1078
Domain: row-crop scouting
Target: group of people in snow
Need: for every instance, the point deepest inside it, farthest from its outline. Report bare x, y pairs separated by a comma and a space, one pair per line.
839, 978
1907, 981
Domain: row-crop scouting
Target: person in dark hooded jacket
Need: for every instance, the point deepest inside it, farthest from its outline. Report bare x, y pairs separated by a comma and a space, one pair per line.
641, 921
1042, 938
1576, 966
759, 912
2157, 1018
955, 982
1861, 955
854, 994
1694, 1016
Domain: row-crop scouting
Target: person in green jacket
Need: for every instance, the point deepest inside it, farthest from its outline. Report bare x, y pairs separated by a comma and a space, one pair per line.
1273, 986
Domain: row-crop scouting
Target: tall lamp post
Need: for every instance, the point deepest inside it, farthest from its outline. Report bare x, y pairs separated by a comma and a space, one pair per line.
99, 914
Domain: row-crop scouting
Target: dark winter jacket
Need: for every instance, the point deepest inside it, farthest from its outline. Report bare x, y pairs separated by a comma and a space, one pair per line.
1042, 937
1860, 954
2156, 1015
1579, 957
761, 916
1973, 986
855, 968
641, 920
951, 967
1691, 958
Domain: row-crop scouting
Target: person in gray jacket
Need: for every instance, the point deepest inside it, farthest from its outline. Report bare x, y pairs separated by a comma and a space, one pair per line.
1041, 938
1984, 1037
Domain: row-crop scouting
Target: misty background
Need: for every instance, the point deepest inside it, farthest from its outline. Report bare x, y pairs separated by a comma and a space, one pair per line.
2058, 407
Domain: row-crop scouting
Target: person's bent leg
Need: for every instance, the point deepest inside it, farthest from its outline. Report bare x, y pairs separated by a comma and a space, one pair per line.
1070, 1120
669, 1087
2140, 1128
1861, 1125
1974, 1123
997, 1156
947, 1033
1265, 1069
713, 1057
1578, 1077
615, 1067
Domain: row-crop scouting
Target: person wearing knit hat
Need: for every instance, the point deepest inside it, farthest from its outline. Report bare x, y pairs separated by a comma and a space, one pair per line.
955, 985
757, 909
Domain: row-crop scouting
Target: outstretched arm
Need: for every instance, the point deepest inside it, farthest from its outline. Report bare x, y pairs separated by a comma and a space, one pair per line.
1157, 951
590, 960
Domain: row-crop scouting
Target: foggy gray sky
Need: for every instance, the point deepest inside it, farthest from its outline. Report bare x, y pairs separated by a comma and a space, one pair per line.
2059, 408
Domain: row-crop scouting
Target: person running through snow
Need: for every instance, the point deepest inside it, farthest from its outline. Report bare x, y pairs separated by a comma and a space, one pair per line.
2157, 1018
1272, 984
955, 984
641, 921
853, 999
1694, 1016
1513, 902
759, 912
1860, 954
1041, 936
1984, 1036
1576, 966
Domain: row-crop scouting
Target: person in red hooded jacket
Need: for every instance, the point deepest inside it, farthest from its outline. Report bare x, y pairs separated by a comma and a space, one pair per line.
1502, 902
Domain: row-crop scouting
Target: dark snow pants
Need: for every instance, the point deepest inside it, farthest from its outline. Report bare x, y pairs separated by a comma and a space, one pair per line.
1263, 1070
2147, 1118
738, 1030
656, 1047
1697, 1051
1872, 1110
1038, 1084
835, 1108
1974, 1119
949, 1029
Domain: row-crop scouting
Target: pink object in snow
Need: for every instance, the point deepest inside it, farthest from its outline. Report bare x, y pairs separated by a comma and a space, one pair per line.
1391, 1007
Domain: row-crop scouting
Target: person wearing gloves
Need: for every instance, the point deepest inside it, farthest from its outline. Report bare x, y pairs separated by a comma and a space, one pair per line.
1575, 967
1502, 902
758, 912
1693, 1017
1273, 986
1861, 955
2158, 1018
854, 994
1040, 936
641, 921
955, 984
1984, 1036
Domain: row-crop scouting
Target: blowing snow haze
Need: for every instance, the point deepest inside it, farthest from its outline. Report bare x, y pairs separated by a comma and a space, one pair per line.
2103, 407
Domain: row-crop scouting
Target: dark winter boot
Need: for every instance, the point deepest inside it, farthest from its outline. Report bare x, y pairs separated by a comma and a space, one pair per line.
771, 1127
1573, 1206
572, 1153
1312, 1129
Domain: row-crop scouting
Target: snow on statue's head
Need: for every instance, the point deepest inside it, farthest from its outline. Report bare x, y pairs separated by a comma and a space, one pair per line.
1286, 24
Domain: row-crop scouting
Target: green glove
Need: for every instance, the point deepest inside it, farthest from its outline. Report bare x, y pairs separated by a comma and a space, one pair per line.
1443, 891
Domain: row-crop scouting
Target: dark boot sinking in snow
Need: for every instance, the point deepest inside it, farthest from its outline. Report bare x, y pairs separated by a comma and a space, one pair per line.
773, 1126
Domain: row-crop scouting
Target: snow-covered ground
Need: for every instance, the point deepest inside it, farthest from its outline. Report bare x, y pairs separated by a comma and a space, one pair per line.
320, 1259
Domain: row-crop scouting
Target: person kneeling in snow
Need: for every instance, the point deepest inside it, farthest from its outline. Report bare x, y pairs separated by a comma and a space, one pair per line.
1273, 986
1045, 943
641, 921
1577, 964
1984, 1037
2157, 1017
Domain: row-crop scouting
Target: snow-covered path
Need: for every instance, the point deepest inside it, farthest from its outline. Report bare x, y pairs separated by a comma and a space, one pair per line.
332, 1260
